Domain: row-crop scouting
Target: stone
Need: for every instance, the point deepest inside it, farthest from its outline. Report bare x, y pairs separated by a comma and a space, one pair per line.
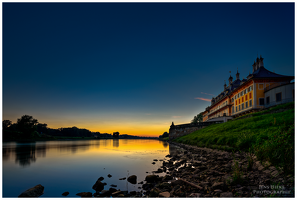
112, 185
101, 178
151, 178
35, 191
164, 194
105, 193
132, 179
155, 160
98, 186
117, 193
217, 185
195, 195
153, 163
123, 178
112, 190
109, 175
65, 193
226, 194
218, 191
84, 194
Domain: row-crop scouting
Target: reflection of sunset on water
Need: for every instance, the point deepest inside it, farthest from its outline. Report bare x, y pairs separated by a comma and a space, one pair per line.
60, 164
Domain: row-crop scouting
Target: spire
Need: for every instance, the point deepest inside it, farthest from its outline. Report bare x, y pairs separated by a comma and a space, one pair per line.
237, 74
230, 79
261, 64
254, 67
225, 86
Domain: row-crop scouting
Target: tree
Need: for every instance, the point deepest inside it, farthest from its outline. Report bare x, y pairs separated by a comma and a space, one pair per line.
27, 125
6, 123
116, 134
164, 135
197, 118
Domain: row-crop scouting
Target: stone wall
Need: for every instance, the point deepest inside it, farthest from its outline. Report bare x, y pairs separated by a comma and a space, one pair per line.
176, 131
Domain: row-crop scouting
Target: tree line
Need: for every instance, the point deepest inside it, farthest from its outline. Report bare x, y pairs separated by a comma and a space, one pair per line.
27, 127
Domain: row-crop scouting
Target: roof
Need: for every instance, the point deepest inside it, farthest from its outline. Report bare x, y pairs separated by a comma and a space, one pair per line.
262, 72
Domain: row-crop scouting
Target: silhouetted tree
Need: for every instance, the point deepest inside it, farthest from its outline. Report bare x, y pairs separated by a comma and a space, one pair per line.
27, 124
164, 135
197, 118
116, 134
5, 124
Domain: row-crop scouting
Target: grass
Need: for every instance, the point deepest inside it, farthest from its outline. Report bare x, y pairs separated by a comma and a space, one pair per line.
267, 134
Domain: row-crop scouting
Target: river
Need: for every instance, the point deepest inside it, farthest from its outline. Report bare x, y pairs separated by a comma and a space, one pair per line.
75, 166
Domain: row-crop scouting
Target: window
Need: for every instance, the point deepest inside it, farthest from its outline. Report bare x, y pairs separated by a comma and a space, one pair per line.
261, 86
232, 100
236, 108
242, 99
242, 106
278, 97
250, 103
241, 94
249, 89
239, 108
267, 100
239, 101
232, 109
250, 95
261, 101
245, 97
245, 91
246, 104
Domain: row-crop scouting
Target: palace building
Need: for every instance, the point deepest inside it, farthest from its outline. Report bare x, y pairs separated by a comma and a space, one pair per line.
258, 90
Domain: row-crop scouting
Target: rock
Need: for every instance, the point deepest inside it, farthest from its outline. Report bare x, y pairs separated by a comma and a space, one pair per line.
195, 195
177, 182
112, 185
147, 186
155, 160
84, 194
101, 178
98, 186
112, 190
153, 163
218, 191
105, 193
117, 193
65, 193
109, 175
217, 185
151, 178
132, 179
35, 191
123, 178
226, 194
164, 194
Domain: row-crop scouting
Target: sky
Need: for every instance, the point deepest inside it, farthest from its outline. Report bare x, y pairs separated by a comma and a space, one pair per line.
134, 67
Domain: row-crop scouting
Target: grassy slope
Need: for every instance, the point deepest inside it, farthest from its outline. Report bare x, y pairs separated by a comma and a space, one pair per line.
267, 134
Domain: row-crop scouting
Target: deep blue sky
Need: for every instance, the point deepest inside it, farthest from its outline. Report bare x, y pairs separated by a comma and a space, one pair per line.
134, 67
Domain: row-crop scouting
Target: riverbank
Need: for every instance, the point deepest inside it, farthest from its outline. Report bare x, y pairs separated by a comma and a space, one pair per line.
204, 172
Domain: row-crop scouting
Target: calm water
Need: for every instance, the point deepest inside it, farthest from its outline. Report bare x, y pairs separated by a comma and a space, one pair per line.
75, 166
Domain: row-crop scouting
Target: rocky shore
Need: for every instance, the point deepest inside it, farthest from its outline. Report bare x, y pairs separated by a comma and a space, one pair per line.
201, 172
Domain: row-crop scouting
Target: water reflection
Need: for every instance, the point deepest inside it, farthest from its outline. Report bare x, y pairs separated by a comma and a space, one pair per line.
59, 164
116, 143
25, 154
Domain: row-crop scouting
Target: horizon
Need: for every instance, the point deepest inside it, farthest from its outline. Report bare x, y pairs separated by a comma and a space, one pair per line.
134, 68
